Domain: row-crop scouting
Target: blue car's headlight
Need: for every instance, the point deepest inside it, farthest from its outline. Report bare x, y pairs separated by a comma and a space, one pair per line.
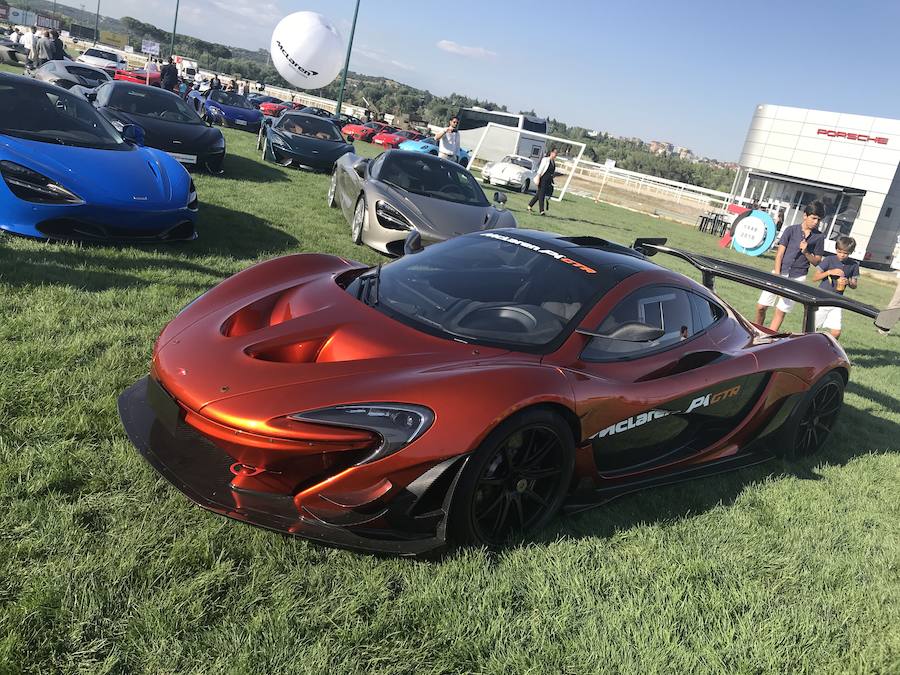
398, 424
32, 186
193, 201
213, 110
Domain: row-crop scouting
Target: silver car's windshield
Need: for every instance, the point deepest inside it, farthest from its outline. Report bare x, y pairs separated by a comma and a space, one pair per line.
427, 175
518, 161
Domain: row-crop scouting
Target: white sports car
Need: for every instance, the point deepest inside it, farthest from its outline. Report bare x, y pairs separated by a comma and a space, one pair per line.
512, 171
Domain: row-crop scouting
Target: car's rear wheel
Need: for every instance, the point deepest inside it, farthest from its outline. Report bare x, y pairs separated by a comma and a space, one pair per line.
332, 190
810, 425
360, 216
516, 481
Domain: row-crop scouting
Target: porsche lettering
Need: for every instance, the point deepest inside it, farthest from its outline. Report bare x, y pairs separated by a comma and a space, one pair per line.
866, 138
639, 420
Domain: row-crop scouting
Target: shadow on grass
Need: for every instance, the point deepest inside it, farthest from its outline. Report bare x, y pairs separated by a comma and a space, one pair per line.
873, 358
245, 169
236, 233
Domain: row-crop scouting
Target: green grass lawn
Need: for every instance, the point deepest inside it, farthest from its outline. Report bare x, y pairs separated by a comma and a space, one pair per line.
105, 568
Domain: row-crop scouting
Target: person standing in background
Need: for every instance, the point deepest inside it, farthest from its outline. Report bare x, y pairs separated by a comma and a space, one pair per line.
43, 49
27, 41
800, 246
168, 76
885, 327
544, 178
59, 49
837, 273
15, 36
448, 140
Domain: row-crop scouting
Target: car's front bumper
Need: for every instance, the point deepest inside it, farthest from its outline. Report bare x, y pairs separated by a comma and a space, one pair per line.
302, 161
99, 223
413, 522
244, 125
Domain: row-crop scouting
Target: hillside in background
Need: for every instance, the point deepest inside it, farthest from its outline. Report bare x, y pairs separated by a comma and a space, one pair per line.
383, 95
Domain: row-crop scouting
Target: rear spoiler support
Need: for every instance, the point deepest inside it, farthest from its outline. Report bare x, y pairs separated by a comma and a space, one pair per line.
811, 297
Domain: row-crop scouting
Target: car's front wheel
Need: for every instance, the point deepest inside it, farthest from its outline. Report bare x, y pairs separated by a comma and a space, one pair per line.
332, 190
516, 480
810, 425
259, 138
360, 216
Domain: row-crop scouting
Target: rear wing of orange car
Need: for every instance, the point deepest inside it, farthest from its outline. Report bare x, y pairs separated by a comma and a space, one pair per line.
811, 297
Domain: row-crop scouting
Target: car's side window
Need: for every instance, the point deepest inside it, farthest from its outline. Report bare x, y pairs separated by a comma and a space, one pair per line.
627, 331
706, 313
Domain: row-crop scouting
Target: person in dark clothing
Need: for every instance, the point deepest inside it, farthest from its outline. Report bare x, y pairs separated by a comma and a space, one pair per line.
836, 273
544, 178
168, 76
58, 49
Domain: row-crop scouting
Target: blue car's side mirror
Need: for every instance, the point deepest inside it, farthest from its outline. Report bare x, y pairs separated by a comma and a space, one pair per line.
133, 133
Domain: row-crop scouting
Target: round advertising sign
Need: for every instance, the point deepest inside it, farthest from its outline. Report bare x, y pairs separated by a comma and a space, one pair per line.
307, 50
753, 232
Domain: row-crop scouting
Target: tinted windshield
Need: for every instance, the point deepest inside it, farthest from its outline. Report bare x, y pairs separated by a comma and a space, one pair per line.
487, 288
230, 98
427, 175
309, 126
152, 102
93, 76
100, 54
54, 116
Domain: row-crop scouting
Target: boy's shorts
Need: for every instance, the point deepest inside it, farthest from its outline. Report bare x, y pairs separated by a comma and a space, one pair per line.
767, 299
828, 318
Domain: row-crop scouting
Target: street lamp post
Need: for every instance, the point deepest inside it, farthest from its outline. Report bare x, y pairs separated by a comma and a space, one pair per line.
340, 99
174, 27
97, 24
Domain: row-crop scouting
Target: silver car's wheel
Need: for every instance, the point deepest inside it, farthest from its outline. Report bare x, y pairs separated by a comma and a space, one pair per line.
360, 220
332, 190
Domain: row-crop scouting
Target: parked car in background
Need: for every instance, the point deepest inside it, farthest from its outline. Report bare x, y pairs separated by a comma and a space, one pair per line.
430, 147
270, 109
365, 132
66, 172
258, 99
103, 58
169, 123
387, 198
67, 74
513, 171
344, 119
139, 77
227, 108
311, 110
301, 140
391, 140
12, 53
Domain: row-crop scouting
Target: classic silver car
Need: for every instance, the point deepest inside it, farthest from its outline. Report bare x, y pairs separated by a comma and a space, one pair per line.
384, 199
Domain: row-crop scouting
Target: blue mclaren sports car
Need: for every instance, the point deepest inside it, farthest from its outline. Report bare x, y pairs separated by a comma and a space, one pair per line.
67, 173
227, 108
430, 146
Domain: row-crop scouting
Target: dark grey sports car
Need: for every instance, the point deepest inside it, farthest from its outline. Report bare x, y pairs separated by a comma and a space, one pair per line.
12, 53
386, 198
301, 140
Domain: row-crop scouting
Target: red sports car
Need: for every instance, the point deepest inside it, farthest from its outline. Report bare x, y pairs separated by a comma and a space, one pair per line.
391, 140
270, 109
139, 77
365, 132
472, 390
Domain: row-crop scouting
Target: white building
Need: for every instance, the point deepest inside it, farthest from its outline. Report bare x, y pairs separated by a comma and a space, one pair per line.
850, 162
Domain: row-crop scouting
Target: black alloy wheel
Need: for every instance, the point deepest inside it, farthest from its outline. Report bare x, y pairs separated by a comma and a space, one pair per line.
516, 481
814, 419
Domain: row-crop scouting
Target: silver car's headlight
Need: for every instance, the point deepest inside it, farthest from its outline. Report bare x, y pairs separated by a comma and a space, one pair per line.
390, 217
398, 424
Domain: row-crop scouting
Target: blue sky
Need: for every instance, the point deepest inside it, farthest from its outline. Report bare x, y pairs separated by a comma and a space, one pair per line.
690, 72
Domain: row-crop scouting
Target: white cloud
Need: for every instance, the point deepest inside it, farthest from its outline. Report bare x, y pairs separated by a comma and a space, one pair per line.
378, 56
463, 50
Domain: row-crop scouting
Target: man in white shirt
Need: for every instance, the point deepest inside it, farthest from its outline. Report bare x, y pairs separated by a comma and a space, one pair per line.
27, 40
15, 35
448, 141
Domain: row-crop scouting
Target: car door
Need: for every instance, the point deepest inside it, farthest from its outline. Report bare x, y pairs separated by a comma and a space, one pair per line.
648, 403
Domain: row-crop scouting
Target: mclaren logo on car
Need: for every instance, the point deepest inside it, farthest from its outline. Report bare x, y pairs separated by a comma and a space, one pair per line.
642, 419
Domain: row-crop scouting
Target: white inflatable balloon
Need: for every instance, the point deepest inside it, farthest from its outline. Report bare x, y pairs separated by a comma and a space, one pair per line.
307, 50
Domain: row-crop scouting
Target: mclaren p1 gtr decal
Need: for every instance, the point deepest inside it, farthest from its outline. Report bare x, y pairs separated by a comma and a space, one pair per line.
546, 251
639, 420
